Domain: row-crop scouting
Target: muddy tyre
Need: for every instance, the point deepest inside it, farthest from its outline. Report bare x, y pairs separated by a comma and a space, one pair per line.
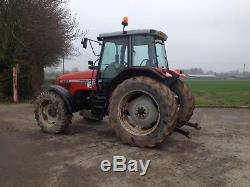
142, 111
51, 114
185, 101
88, 116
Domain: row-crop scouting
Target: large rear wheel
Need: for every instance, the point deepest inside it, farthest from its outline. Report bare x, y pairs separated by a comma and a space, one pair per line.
142, 111
185, 102
51, 113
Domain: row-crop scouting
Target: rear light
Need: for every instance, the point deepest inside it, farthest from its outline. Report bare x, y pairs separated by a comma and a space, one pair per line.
168, 75
164, 70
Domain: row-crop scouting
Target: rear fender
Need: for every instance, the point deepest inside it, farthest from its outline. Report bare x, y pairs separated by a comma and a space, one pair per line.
177, 73
65, 95
141, 71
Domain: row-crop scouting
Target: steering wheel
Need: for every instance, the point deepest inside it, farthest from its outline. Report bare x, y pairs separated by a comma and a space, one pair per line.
143, 61
115, 66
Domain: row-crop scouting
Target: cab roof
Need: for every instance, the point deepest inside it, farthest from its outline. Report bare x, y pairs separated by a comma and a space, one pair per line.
153, 32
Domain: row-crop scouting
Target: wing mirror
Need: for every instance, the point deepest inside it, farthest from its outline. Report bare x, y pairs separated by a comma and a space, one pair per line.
84, 43
91, 64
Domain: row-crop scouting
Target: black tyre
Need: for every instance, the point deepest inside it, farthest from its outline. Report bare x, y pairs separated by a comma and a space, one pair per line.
142, 111
88, 116
185, 101
51, 113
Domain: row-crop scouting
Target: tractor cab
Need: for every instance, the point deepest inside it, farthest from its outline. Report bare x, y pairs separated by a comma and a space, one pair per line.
134, 48
121, 51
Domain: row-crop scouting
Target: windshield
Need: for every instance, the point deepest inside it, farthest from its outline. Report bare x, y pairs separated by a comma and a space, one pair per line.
161, 54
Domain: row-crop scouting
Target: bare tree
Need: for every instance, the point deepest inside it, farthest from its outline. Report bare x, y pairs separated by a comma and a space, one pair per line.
35, 34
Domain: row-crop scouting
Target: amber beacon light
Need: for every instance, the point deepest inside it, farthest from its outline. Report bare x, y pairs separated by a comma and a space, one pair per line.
124, 22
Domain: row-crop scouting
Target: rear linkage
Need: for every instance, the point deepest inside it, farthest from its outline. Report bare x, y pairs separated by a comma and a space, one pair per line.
189, 124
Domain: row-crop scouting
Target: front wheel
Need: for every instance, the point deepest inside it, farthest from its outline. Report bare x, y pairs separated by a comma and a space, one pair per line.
51, 114
142, 111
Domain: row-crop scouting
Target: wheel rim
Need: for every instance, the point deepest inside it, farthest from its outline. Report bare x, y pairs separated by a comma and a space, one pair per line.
48, 112
139, 112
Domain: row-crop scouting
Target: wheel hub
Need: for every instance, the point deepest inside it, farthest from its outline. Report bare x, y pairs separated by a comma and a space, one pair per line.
142, 111
49, 112
52, 111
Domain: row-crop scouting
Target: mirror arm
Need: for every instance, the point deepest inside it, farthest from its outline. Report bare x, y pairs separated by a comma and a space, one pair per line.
100, 43
92, 47
96, 60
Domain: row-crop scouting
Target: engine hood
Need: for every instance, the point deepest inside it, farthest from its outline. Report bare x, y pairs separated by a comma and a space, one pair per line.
86, 74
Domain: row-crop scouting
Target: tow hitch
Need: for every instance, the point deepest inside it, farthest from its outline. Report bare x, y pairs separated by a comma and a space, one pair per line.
189, 124
194, 125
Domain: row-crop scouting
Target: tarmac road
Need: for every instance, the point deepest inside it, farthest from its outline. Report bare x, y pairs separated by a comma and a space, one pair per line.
217, 155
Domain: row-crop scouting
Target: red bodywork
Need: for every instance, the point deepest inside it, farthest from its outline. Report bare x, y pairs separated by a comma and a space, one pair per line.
170, 72
85, 80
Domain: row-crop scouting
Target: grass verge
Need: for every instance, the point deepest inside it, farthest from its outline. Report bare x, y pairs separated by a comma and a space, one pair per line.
224, 93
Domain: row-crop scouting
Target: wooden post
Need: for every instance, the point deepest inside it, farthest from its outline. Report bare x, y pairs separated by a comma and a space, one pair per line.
15, 93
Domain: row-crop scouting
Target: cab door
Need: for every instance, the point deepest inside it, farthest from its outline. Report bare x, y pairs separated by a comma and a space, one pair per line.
114, 59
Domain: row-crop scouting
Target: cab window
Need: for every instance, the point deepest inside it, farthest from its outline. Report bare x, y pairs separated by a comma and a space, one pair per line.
143, 51
115, 57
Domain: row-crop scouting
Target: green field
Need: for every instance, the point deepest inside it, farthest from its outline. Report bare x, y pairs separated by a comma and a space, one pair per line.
218, 93
221, 92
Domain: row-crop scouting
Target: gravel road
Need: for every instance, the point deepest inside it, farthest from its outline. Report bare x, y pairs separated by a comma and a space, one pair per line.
217, 155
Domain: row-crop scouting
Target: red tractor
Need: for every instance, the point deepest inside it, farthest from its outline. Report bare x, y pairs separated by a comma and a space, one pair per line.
130, 82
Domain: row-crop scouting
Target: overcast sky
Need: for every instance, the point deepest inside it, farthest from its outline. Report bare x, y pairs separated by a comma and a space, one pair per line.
212, 34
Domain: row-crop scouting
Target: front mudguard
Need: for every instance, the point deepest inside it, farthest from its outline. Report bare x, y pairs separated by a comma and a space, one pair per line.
65, 95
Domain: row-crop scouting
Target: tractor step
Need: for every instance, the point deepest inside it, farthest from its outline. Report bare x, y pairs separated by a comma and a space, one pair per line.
97, 110
98, 102
98, 105
99, 97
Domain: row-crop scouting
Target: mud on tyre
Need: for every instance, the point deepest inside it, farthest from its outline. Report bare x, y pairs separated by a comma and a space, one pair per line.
142, 111
51, 113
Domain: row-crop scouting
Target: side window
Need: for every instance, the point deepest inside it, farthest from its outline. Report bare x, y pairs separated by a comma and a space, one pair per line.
143, 51
161, 54
139, 54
